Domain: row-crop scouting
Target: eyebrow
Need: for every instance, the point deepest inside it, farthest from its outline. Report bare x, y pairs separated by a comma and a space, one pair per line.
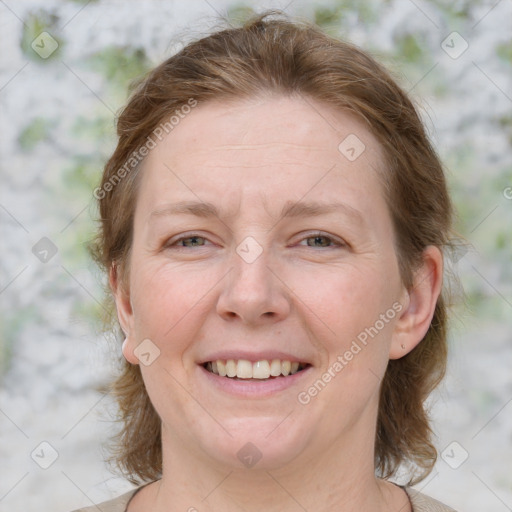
197, 208
315, 209
290, 209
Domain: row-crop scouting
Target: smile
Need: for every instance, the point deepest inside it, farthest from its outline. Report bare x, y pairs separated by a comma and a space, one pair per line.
244, 369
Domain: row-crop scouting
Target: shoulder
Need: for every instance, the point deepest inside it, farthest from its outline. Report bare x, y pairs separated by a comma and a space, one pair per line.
118, 504
422, 503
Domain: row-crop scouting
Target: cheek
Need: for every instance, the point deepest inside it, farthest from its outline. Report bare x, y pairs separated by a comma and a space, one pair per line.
343, 309
344, 299
167, 303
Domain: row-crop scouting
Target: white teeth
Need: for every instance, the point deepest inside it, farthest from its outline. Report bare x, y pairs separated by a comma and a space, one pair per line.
244, 369
221, 368
275, 368
261, 370
230, 368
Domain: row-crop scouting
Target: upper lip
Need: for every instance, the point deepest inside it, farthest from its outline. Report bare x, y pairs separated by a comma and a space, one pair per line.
253, 357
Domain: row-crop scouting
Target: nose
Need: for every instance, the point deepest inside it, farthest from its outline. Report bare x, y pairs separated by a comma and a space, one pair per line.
253, 293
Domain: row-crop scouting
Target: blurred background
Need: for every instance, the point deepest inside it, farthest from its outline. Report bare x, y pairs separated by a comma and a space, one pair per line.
65, 70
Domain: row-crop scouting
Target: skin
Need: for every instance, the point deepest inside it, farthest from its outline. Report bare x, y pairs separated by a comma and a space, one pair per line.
307, 296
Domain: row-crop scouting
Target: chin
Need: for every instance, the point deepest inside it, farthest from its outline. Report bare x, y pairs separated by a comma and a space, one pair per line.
255, 443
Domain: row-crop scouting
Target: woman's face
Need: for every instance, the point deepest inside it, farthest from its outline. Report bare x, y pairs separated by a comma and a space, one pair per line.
263, 244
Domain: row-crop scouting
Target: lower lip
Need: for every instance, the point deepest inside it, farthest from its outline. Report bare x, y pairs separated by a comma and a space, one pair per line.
253, 388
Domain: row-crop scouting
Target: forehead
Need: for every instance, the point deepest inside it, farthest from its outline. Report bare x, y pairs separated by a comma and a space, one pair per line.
270, 127
271, 150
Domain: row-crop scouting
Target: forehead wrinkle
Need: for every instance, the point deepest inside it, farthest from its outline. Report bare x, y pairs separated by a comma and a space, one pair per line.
267, 145
273, 164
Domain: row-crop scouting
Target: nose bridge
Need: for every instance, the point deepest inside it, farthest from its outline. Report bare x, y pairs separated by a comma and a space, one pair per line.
252, 271
252, 291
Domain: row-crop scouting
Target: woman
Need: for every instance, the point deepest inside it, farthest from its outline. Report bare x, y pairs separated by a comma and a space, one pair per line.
273, 221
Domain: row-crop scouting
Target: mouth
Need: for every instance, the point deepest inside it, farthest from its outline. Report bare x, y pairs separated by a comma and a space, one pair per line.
243, 369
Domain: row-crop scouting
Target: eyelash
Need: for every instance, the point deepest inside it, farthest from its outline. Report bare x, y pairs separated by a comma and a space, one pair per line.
334, 242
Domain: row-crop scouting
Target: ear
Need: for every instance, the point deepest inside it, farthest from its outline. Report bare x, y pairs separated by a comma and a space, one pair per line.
419, 304
124, 313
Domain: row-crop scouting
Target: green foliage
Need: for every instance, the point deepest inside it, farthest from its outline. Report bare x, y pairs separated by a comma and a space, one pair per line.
333, 19
34, 133
33, 25
120, 65
504, 52
89, 311
239, 14
409, 49
98, 131
83, 176
77, 202
505, 123
325, 16
458, 11
12, 326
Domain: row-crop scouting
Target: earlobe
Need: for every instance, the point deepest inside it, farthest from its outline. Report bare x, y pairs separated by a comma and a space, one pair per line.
128, 353
421, 300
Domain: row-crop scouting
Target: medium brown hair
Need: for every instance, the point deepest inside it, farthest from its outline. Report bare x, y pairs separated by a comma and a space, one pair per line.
269, 54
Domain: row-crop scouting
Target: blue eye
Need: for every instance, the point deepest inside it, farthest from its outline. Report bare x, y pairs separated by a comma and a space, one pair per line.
191, 241
319, 240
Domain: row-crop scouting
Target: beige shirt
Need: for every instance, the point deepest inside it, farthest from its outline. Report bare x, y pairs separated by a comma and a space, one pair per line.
420, 503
